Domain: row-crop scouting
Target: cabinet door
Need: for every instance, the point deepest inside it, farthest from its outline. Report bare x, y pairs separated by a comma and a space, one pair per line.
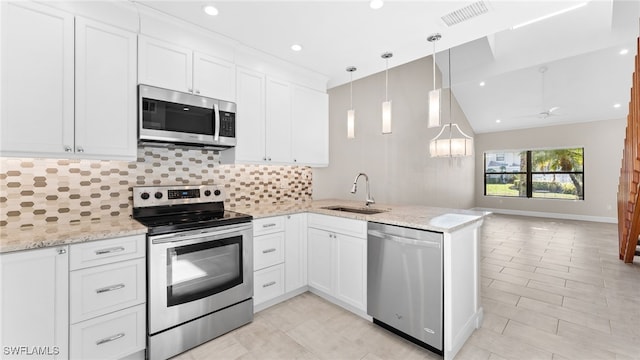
105, 91
278, 121
351, 267
250, 116
310, 127
37, 80
34, 302
214, 77
164, 65
319, 260
295, 257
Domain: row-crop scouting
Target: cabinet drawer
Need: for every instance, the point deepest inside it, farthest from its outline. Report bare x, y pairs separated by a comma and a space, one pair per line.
268, 225
268, 250
268, 283
111, 336
106, 251
107, 288
357, 228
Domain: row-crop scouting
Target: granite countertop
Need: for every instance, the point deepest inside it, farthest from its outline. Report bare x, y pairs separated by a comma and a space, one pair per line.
55, 234
415, 216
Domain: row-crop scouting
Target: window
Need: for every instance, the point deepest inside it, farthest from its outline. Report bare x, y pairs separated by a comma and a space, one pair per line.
550, 174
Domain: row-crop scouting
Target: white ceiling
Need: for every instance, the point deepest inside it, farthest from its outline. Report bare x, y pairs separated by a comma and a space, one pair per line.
585, 75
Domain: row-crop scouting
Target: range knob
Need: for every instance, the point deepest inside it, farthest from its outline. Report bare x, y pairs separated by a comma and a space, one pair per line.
158, 195
144, 195
207, 193
217, 193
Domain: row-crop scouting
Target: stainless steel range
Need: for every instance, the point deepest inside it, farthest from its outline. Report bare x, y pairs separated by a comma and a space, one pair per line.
199, 266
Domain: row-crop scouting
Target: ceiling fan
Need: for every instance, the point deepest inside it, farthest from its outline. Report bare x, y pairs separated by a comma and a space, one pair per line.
546, 112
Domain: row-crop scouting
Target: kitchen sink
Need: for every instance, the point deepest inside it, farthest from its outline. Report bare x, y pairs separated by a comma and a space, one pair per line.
354, 210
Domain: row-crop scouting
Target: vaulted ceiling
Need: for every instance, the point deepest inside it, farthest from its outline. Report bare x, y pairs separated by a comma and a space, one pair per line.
580, 49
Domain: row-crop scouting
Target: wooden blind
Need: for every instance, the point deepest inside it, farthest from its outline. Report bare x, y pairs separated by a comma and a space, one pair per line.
628, 190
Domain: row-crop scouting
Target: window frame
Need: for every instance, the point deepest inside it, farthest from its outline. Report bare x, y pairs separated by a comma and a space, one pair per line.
529, 173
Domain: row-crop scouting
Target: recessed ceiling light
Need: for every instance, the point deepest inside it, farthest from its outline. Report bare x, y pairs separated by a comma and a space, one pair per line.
616, 105
296, 47
482, 83
624, 52
210, 10
498, 121
376, 4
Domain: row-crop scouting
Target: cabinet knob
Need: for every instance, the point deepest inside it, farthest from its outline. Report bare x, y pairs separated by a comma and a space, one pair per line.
67, 148
264, 158
62, 251
190, 90
79, 149
295, 160
269, 158
197, 91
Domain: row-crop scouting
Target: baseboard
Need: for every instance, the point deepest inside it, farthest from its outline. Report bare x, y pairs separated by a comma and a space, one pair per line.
279, 299
340, 303
563, 216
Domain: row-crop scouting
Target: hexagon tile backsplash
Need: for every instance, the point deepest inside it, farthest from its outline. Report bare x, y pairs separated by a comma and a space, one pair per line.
39, 191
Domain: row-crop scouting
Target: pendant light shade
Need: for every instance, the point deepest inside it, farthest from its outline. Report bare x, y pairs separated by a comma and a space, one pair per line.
351, 113
435, 94
386, 105
451, 141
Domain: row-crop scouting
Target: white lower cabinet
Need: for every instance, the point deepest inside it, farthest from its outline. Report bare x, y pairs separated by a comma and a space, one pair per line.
34, 304
107, 298
268, 283
111, 336
279, 258
337, 259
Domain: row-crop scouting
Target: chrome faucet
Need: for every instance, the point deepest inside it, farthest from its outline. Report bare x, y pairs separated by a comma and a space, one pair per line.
370, 199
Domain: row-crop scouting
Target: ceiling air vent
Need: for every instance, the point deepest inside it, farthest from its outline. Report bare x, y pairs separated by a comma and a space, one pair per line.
465, 13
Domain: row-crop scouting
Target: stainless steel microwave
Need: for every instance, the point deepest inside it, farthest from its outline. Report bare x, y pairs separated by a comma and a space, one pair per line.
171, 117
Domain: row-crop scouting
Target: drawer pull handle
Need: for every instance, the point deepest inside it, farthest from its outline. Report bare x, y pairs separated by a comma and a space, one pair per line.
268, 225
269, 284
109, 250
109, 288
109, 339
268, 250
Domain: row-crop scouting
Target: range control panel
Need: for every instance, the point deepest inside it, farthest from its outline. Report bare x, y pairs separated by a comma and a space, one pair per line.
145, 196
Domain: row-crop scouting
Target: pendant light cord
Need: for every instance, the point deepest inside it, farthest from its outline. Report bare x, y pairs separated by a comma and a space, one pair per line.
386, 81
351, 90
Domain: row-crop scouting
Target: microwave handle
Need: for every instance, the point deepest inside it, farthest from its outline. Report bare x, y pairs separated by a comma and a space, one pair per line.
216, 111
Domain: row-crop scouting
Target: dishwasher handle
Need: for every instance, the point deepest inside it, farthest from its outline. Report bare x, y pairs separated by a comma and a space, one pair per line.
404, 240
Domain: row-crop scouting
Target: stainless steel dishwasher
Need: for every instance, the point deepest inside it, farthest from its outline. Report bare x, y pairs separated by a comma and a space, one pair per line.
404, 283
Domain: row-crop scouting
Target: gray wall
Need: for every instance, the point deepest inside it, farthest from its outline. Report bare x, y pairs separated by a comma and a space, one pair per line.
602, 142
398, 164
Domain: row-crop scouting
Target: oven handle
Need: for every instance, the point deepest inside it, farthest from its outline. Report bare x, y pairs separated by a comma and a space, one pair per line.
194, 234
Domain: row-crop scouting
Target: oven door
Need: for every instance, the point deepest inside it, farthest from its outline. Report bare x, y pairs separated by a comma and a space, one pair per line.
194, 273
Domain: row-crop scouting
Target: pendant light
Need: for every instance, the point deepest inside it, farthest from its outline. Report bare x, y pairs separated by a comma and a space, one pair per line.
451, 141
386, 105
434, 95
351, 114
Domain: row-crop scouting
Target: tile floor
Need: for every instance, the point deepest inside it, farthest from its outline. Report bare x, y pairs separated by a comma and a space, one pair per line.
551, 289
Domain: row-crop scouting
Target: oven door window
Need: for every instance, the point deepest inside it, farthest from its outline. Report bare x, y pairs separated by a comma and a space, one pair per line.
168, 116
204, 269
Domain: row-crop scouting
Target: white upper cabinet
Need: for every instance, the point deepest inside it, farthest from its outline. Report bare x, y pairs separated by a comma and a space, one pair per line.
165, 65
37, 80
214, 77
178, 68
105, 90
310, 127
250, 125
278, 121
42, 85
